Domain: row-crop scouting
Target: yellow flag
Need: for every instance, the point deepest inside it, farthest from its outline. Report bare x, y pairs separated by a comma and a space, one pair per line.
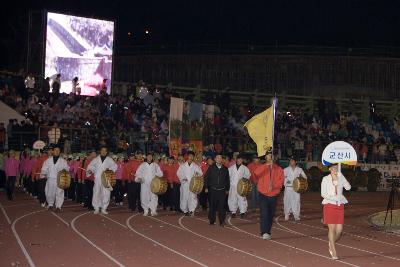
261, 130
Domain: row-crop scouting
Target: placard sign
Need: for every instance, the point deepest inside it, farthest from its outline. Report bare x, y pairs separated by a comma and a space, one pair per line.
39, 145
339, 152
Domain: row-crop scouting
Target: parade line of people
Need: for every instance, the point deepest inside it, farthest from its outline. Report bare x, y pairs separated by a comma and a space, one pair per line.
37, 174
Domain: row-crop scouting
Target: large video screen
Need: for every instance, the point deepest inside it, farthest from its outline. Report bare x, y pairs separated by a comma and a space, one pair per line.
79, 49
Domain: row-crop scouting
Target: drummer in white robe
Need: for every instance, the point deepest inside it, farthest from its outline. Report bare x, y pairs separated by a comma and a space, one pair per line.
51, 167
144, 175
101, 194
291, 199
185, 174
235, 201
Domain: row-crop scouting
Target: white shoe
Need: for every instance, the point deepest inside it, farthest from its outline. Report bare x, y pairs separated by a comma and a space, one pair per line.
121, 203
154, 214
266, 236
96, 211
297, 219
145, 213
286, 218
104, 212
43, 205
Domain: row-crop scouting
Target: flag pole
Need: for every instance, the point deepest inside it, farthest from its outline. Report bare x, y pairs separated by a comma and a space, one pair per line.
273, 125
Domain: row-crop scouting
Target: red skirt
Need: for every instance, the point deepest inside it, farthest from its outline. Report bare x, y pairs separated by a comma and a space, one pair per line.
333, 214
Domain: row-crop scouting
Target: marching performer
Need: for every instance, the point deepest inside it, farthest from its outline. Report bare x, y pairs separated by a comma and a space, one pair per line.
237, 172
118, 191
132, 187
332, 191
101, 195
291, 199
270, 180
88, 183
203, 196
254, 192
51, 167
39, 181
170, 169
144, 175
216, 182
185, 174
11, 168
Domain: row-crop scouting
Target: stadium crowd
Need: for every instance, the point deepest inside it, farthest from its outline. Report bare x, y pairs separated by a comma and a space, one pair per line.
137, 119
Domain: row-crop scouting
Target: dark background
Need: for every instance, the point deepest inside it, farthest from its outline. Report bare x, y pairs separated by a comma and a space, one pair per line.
351, 23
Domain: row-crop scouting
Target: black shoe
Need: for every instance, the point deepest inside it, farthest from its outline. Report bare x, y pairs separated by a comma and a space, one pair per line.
233, 215
212, 223
58, 210
222, 224
242, 215
187, 214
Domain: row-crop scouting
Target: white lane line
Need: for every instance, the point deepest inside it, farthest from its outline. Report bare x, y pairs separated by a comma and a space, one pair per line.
286, 245
339, 244
5, 214
20, 205
61, 219
21, 245
160, 244
90, 242
347, 233
228, 246
114, 221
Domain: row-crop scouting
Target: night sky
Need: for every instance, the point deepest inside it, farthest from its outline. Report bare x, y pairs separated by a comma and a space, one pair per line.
352, 23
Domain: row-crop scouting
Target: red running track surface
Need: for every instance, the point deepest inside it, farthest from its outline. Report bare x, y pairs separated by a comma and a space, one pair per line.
33, 236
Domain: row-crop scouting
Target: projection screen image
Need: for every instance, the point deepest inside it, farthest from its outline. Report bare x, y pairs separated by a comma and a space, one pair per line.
82, 48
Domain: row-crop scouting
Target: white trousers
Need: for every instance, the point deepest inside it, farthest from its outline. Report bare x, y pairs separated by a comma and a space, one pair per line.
236, 201
54, 195
148, 199
101, 196
291, 203
188, 199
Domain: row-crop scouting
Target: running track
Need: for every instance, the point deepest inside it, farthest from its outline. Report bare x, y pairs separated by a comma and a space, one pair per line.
33, 236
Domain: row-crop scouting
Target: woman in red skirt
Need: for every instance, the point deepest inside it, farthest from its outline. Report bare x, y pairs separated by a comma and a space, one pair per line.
332, 191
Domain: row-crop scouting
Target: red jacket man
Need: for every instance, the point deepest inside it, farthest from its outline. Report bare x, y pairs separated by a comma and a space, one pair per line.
133, 188
269, 178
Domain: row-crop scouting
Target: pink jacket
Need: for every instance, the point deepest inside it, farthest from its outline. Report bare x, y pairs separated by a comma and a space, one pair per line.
72, 170
75, 165
29, 166
11, 167
120, 171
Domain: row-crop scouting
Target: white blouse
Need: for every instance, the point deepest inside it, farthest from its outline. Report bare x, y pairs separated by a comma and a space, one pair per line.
329, 192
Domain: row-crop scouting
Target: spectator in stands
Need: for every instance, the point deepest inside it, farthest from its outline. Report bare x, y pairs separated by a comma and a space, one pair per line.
29, 83
382, 151
56, 86
46, 86
76, 88
54, 134
2, 137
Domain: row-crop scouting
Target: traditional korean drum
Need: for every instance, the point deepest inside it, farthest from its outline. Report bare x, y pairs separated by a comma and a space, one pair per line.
244, 187
108, 179
300, 185
196, 184
158, 185
63, 179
